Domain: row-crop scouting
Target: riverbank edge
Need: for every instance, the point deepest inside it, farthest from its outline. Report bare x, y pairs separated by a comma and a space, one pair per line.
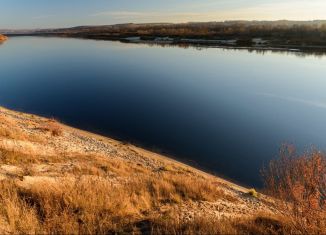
270, 47
145, 152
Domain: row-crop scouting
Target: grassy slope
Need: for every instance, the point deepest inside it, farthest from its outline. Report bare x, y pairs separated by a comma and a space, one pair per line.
57, 179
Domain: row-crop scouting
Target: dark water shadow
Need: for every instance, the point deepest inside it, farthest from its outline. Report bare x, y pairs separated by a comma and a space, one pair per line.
299, 52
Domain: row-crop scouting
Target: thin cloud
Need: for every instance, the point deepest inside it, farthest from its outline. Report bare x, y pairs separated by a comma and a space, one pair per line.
303, 10
144, 14
119, 13
148, 15
42, 17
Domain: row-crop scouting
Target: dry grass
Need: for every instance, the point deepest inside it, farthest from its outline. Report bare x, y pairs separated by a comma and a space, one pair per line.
103, 166
86, 205
98, 206
167, 188
53, 127
92, 201
171, 223
58, 192
10, 129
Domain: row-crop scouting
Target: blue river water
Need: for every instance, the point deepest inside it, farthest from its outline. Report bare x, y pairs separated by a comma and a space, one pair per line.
225, 111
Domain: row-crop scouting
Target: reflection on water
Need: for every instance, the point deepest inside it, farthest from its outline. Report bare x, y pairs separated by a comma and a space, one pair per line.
318, 52
225, 110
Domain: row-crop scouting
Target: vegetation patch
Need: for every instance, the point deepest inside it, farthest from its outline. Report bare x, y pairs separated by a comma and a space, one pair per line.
252, 192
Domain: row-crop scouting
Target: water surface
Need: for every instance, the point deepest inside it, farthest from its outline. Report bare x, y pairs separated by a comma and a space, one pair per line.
226, 111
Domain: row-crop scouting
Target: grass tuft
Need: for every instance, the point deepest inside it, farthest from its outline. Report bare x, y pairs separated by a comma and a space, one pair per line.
252, 192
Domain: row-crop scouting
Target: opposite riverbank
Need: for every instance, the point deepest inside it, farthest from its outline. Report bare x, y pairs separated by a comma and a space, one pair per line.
302, 36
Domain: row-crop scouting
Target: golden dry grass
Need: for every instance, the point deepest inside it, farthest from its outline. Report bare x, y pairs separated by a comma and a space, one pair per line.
86, 205
91, 201
264, 224
95, 205
10, 129
53, 127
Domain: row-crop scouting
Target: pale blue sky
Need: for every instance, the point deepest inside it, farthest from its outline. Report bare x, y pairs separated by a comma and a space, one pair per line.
65, 13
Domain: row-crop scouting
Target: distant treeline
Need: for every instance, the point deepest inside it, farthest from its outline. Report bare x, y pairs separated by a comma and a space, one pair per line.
300, 33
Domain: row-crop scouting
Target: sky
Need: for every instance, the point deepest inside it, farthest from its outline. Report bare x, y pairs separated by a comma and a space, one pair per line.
31, 14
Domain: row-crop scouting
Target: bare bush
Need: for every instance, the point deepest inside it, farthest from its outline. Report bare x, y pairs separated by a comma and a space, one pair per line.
299, 181
53, 127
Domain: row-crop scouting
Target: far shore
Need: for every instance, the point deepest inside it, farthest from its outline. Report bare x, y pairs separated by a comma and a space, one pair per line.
189, 42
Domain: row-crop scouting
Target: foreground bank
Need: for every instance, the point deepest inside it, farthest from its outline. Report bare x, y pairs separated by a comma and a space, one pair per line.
57, 179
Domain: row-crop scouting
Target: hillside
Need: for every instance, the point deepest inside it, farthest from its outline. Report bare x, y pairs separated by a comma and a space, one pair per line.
57, 179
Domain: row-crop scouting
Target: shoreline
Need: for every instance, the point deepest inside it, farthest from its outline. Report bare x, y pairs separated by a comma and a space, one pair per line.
202, 43
164, 157
142, 151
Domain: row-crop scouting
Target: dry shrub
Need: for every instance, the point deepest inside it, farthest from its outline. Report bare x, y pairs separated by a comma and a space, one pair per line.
53, 127
252, 192
300, 182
